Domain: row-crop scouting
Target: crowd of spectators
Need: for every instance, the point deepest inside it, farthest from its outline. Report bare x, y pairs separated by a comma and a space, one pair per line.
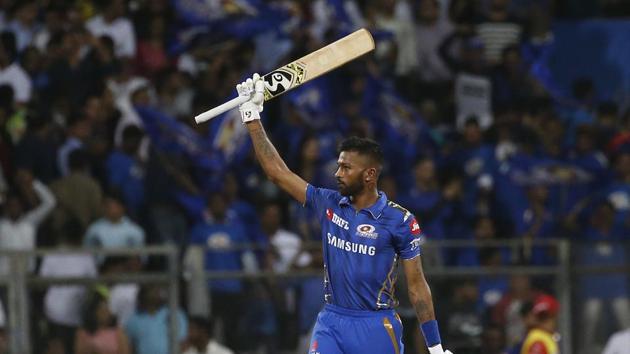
98, 149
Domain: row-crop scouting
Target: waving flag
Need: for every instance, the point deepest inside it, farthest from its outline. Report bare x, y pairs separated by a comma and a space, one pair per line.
170, 135
229, 138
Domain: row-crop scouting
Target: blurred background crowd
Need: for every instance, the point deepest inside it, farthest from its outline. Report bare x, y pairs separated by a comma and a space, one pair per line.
488, 135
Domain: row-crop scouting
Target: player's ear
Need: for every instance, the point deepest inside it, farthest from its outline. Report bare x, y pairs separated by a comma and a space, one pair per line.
370, 174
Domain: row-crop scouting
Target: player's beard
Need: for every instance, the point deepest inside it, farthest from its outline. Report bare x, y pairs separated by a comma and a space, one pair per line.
350, 189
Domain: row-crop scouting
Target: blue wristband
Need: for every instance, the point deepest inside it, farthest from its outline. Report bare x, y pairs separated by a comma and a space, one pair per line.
431, 333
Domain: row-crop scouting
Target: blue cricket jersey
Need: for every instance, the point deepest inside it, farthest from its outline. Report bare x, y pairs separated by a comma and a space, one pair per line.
362, 249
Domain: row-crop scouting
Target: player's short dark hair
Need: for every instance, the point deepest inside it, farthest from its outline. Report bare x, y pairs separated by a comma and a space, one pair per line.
363, 146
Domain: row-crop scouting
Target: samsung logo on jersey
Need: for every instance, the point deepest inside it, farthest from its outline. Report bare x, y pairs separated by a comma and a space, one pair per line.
336, 219
350, 246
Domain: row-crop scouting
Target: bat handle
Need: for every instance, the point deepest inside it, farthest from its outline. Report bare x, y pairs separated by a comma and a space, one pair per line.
209, 114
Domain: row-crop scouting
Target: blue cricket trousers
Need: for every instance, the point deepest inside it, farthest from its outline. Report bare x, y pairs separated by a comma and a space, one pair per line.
343, 331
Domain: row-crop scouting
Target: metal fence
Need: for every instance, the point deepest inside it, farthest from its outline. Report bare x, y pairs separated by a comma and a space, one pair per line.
20, 281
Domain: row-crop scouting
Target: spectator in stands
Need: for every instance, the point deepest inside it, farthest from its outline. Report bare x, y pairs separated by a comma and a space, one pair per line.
607, 122
37, 149
534, 222
507, 312
66, 79
602, 248
541, 319
493, 340
484, 230
310, 298
24, 23
462, 319
152, 58
431, 30
498, 29
494, 286
126, 172
397, 53
79, 130
98, 332
148, 327
62, 303
7, 108
19, 224
11, 72
78, 194
111, 21
221, 234
284, 252
428, 201
241, 206
582, 113
122, 296
115, 229
201, 338
618, 192
618, 342
511, 82
285, 246
475, 159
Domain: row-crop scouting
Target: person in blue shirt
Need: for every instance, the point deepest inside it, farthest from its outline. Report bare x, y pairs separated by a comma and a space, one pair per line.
364, 236
603, 246
147, 328
126, 172
220, 234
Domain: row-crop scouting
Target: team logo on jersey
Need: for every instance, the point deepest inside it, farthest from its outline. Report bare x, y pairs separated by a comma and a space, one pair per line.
367, 230
415, 227
336, 219
415, 243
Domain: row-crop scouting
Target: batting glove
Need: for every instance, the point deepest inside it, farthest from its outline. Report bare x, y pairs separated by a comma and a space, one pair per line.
253, 89
437, 349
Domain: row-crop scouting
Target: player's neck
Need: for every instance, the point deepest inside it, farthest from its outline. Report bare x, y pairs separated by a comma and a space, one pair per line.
364, 199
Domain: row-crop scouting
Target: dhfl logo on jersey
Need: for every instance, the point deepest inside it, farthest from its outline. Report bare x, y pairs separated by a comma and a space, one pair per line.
415, 227
336, 219
314, 347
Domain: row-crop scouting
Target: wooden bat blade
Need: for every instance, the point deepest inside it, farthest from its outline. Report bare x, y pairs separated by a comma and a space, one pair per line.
305, 69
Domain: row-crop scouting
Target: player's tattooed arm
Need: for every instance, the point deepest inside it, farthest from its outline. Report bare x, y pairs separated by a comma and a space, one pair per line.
273, 165
419, 291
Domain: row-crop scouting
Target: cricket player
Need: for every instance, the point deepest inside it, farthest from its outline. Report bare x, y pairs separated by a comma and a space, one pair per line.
364, 235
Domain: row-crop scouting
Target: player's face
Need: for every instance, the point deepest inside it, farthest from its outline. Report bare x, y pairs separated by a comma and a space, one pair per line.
350, 175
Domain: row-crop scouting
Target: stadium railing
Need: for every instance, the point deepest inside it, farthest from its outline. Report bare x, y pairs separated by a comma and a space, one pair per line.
20, 281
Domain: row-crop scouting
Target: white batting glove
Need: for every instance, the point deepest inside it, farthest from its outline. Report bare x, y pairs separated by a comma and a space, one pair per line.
437, 349
252, 89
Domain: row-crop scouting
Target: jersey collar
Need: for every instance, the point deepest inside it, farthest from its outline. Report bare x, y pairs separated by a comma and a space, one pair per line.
375, 209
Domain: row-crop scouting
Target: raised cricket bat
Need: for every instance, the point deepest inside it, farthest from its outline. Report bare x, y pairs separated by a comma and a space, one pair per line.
304, 69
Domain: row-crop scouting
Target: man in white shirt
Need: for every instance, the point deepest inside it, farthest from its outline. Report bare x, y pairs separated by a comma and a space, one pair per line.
24, 23
200, 339
63, 303
111, 22
286, 245
11, 73
618, 343
17, 227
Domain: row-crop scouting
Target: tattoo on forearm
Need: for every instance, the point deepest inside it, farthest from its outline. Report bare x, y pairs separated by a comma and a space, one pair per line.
424, 310
265, 151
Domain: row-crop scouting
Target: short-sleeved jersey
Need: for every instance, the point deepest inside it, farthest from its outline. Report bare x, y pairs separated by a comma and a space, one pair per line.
362, 248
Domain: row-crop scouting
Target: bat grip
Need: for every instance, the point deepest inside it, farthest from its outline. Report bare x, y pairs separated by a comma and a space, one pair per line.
209, 114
